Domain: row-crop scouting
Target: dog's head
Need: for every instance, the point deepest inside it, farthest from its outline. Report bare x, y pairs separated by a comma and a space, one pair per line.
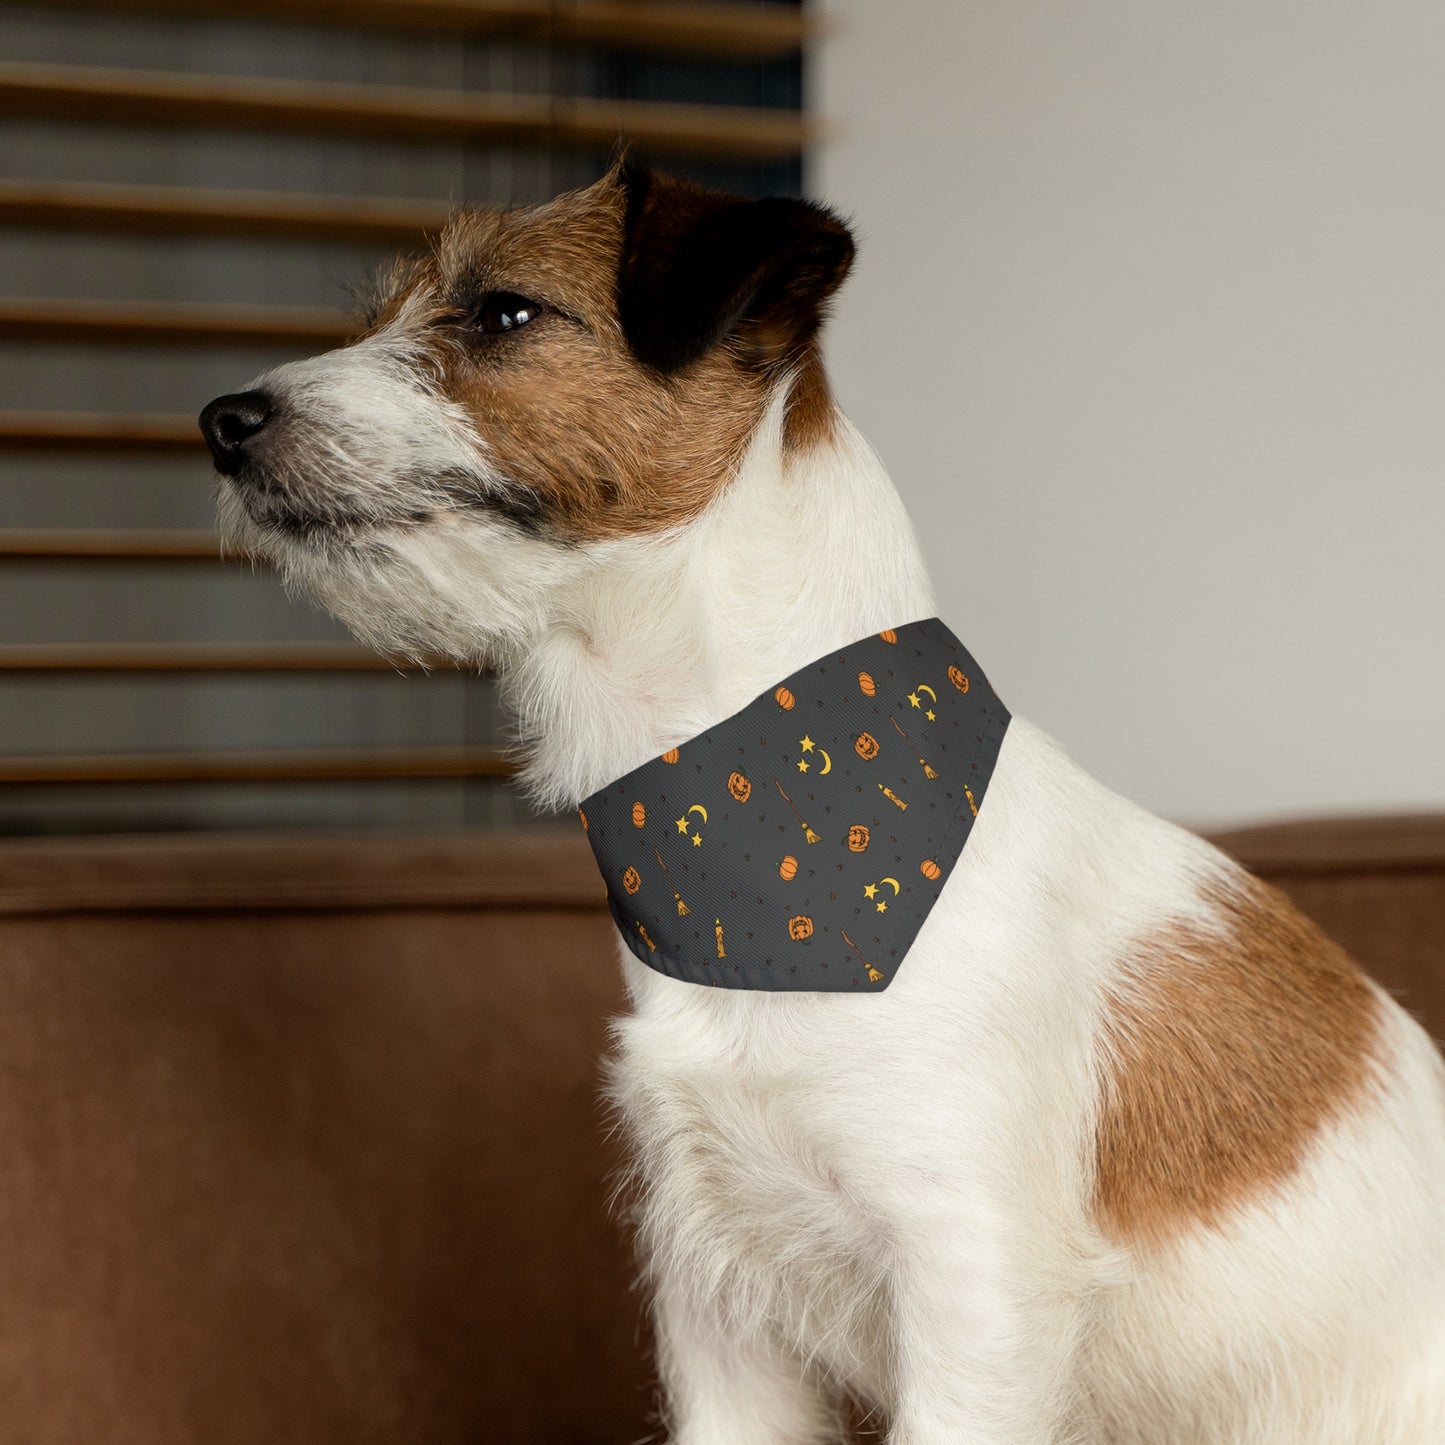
564, 377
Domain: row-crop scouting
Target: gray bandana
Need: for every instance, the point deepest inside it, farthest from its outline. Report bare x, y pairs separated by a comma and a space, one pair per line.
798, 845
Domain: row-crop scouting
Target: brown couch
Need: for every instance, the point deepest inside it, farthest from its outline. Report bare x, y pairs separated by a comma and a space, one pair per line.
299, 1139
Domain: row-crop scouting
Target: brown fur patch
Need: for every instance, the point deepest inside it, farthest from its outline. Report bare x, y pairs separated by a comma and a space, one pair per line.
812, 416
1226, 1054
605, 445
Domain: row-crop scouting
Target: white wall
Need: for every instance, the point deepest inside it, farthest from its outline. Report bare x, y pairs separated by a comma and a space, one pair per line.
1149, 324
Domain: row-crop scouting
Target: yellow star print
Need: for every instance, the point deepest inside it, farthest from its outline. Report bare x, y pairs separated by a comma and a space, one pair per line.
931, 715
882, 907
802, 765
913, 700
697, 840
869, 889
682, 825
806, 743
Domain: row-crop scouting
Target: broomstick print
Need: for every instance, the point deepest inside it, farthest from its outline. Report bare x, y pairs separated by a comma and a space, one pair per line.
808, 833
927, 771
873, 975
682, 909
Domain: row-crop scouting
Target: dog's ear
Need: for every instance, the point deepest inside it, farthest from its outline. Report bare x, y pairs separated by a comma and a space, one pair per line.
699, 266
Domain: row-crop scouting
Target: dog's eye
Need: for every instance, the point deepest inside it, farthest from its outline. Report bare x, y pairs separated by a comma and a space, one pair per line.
504, 311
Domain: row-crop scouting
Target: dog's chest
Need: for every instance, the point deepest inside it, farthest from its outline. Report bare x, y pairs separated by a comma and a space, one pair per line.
745, 1184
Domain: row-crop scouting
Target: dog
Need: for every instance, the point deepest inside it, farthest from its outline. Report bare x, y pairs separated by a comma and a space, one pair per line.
1128, 1153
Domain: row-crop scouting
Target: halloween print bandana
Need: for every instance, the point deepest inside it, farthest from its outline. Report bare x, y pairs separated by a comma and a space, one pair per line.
799, 844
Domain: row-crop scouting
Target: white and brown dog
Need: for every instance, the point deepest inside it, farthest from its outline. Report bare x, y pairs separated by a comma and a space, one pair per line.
1138, 1156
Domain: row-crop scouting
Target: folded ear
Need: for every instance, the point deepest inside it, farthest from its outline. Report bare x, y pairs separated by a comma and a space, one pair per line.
699, 266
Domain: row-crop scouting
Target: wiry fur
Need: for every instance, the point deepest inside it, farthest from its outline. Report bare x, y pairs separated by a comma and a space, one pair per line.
897, 1197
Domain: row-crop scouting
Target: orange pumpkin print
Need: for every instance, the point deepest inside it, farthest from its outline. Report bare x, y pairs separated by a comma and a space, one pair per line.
866, 747
929, 869
739, 787
785, 699
582, 814
670, 756
800, 928
889, 636
858, 836
866, 685
788, 869
957, 678
639, 815
632, 880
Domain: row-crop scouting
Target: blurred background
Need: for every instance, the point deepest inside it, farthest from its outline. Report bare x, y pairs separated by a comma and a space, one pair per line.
187, 191
1147, 324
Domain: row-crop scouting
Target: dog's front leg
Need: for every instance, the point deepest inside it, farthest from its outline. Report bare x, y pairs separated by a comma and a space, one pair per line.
721, 1387
985, 1346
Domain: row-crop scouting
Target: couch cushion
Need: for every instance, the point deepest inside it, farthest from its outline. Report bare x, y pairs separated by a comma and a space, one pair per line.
300, 1141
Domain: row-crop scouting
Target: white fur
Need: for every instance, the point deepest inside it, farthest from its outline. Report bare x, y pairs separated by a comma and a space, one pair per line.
890, 1195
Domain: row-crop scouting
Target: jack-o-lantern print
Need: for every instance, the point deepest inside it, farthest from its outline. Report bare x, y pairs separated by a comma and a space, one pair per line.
930, 870
866, 747
671, 755
632, 880
800, 928
957, 677
739, 787
858, 836
639, 816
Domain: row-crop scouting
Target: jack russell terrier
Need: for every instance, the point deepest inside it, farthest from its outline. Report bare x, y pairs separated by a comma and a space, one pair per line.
1118, 1150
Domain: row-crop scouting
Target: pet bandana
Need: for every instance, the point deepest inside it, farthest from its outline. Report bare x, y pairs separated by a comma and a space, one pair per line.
799, 844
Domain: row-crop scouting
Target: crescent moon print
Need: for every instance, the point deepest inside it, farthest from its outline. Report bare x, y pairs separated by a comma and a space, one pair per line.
924, 687
870, 892
698, 808
827, 763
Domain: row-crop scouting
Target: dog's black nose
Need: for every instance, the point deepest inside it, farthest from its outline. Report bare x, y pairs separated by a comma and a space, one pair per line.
229, 422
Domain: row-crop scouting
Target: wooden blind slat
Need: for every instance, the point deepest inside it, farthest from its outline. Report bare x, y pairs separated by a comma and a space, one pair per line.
157, 323
74, 544
81, 431
156, 98
190, 657
257, 767
169, 210
715, 29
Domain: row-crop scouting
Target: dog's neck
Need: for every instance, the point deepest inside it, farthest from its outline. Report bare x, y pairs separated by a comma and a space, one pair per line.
657, 638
